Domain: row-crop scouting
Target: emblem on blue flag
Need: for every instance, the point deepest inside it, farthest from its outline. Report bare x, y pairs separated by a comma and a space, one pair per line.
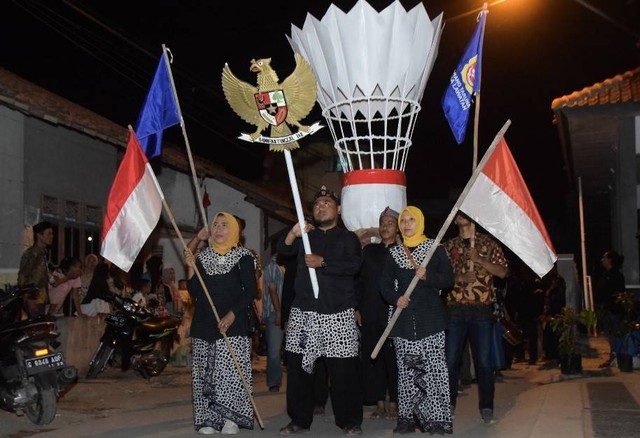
464, 81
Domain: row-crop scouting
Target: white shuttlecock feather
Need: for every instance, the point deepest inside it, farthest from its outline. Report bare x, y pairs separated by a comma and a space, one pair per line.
371, 67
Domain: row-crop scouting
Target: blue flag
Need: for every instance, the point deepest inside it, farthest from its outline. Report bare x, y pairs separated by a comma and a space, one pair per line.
160, 111
465, 80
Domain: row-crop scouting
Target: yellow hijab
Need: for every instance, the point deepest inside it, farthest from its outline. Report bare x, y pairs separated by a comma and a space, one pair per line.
233, 237
419, 236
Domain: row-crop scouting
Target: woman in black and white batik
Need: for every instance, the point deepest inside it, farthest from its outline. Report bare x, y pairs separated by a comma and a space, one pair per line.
418, 334
220, 401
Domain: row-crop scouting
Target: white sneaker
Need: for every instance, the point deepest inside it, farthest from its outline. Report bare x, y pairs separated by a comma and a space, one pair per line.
229, 428
207, 430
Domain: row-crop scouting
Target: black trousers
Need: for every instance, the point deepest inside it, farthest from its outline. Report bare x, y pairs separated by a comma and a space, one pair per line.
345, 391
380, 375
321, 387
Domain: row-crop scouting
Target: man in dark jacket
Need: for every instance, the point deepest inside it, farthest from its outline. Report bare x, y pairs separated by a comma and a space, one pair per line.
34, 267
324, 326
380, 375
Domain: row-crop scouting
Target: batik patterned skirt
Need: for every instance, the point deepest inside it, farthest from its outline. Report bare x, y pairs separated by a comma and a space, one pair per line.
423, 383
218, 392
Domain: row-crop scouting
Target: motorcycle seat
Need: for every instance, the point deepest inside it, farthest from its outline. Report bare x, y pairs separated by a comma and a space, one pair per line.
153, 324
32, 322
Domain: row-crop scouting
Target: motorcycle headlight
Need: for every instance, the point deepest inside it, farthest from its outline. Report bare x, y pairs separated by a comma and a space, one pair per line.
129, 307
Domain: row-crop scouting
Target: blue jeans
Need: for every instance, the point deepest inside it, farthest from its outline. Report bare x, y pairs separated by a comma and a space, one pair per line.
475, 321
274, 336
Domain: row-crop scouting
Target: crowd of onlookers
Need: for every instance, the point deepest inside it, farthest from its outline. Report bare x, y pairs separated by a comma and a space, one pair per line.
77, 287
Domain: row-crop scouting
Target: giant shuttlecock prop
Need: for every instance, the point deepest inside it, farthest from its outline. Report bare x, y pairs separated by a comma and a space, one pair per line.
372, 68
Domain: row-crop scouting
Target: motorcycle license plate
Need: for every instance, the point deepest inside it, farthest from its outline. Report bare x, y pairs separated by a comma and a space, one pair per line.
44, 363
116, 320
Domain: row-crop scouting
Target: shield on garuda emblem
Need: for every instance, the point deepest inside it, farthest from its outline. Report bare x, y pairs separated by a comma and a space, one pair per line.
272, 106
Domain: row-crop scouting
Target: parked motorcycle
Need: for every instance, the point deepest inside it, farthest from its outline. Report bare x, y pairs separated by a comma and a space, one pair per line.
32, 373
134, 338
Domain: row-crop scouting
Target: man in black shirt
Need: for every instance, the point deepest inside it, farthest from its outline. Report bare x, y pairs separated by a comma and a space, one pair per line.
324, 326
380, 375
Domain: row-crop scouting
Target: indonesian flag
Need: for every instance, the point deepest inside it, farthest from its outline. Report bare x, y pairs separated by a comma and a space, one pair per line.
500, 202
133, 208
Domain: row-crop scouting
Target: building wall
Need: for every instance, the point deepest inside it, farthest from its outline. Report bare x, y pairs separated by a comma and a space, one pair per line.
67, 165
41, 159
626, 211
12, 189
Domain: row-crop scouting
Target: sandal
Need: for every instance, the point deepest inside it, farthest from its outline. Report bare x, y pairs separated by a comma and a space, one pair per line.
377, 414
293, 429
393, 412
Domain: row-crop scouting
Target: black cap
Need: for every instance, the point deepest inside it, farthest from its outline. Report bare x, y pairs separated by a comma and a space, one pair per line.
326, 192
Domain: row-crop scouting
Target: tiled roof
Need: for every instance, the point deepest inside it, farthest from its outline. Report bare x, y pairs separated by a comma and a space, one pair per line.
623, 88
35, 101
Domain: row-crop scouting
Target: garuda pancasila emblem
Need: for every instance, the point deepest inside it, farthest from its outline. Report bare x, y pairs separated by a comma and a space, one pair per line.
272, 104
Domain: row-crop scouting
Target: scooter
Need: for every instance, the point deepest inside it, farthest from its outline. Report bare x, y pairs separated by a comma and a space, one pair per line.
134, 338
33, 374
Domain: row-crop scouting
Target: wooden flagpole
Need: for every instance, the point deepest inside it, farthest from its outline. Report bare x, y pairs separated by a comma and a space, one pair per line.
476, 125
440, 235
165, 52
476, 118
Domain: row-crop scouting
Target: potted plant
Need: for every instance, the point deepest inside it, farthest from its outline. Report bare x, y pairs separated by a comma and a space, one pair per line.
626, 330
567, 325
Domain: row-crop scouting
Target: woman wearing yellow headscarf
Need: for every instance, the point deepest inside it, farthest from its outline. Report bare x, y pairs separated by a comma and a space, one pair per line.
418, 334
220, 403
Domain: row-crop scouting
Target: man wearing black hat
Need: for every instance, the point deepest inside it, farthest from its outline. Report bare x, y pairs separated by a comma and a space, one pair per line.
324, 326
380, 376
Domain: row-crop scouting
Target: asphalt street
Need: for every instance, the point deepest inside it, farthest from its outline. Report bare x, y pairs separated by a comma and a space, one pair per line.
530, 402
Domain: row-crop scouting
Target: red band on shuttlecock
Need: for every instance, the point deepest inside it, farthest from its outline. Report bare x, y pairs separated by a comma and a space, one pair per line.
374, 176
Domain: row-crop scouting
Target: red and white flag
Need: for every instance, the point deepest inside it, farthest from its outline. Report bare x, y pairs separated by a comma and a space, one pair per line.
500, 202
133, 207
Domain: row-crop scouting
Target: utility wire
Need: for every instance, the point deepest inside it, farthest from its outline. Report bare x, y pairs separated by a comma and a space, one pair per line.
605, 17
126, 65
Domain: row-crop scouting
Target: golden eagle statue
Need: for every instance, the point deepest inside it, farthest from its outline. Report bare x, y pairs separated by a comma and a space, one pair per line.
273, 104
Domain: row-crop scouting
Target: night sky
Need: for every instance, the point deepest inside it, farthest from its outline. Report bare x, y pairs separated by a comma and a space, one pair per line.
102, 55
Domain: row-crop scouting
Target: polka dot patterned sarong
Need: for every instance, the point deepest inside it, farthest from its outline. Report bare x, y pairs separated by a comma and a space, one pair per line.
314, 335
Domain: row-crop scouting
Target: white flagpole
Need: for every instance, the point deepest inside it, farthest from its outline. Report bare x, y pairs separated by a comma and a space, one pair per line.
443, 230
165, 52
300, 214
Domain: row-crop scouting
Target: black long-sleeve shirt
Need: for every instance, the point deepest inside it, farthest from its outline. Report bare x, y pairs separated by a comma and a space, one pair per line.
233, 288
426, 313
374, 310
342, 254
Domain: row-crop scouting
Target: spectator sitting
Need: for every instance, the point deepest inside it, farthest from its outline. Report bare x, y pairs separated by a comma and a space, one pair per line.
142, 295
93, 303
64, 280
89, 266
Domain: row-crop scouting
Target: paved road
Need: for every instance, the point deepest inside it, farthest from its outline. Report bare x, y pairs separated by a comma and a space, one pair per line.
527, 405
118, 405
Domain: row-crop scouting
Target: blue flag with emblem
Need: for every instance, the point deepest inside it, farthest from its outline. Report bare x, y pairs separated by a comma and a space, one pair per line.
160, 111
465, 81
